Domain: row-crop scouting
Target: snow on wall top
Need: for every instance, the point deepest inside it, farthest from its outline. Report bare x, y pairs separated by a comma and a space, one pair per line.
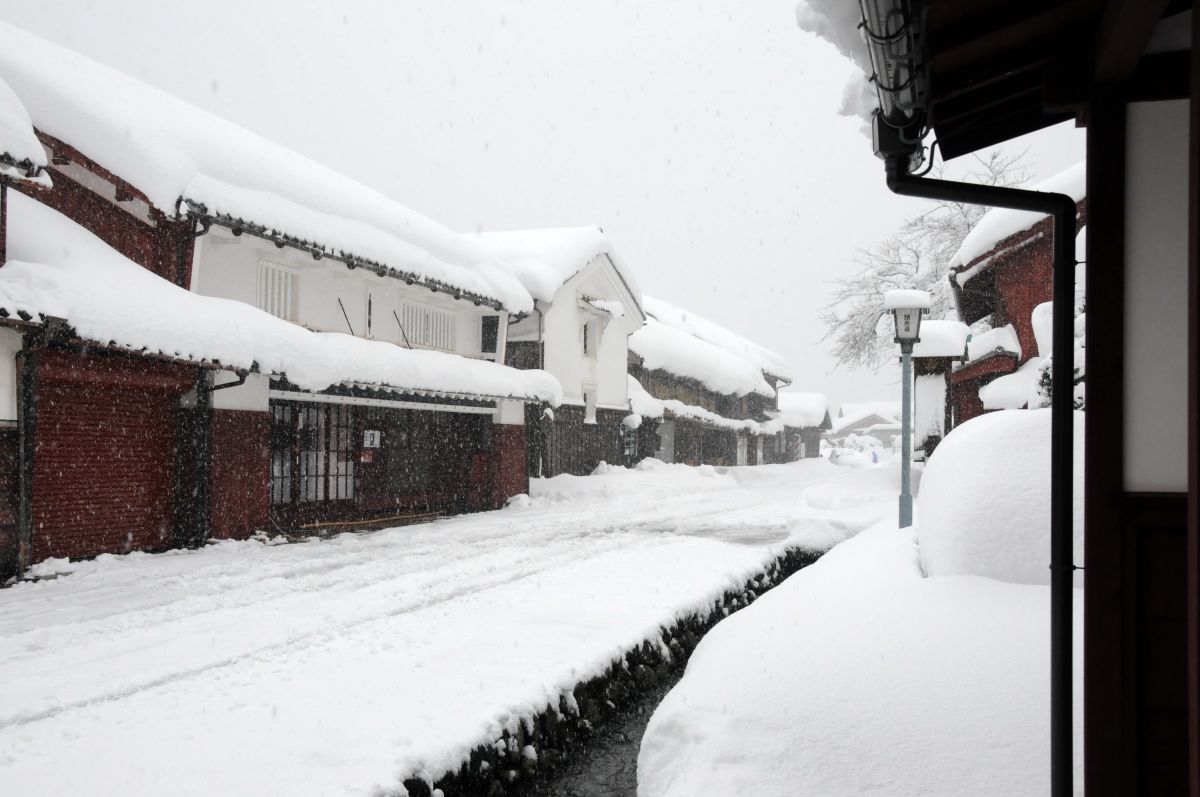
802, 409
899, 298
643, 404
999, 223
942, 338
999, 339
678, 352
169, 150
57, 268
19, 147
544, 259
760, 357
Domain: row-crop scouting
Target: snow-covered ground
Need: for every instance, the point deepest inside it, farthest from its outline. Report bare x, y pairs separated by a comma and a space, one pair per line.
904, 662
345, 665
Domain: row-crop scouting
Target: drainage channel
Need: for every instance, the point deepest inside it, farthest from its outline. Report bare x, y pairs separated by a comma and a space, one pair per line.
590, 748
607, 765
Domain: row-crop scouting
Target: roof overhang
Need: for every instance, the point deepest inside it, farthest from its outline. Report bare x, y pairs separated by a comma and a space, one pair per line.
985, 71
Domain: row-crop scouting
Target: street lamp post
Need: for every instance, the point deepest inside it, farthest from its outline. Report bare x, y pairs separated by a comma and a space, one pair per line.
907, 307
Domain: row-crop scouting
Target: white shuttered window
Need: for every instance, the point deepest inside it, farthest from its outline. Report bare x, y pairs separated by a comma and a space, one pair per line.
427, 326
278, 288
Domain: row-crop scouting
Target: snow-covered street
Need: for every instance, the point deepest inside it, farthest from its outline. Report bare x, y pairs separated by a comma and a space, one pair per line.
348, 664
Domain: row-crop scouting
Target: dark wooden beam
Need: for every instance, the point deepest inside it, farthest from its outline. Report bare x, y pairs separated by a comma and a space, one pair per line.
1108, 677
1125, 28
1163, 76
1193, 428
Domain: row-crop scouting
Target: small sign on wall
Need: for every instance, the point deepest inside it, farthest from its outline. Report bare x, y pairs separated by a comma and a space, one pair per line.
371, 438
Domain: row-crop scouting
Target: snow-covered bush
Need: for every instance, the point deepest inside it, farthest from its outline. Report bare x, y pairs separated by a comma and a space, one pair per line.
985, 499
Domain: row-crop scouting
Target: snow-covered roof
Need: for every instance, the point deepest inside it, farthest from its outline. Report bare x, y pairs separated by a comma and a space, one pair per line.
171, 150
803, 409
21, 154
647, 406
999, 339
545, 259
760, 357
942, 338
888, 409
58, 269
867, 419
680, 353
999, 223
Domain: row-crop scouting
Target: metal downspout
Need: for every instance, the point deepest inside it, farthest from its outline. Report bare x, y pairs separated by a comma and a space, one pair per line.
1062, 208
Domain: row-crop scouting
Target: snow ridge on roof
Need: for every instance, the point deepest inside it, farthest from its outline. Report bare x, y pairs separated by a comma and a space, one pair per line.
169, 150
678, 352
647, 406
999, 223
20, 150
760, 357
57, 268
545, 259
802, 409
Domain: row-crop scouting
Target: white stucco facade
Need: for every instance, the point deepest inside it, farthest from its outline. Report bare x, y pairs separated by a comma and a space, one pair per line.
327, 296
583, 346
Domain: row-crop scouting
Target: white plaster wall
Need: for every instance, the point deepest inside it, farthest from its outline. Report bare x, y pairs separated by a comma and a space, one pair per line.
251, 396
10, 344
509, 413
929, 410
227, 266
563, 346
1156, 341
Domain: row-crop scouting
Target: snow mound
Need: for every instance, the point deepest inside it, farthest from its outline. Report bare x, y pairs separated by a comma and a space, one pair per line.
942, 338
856, 676
985, 499
999, 339
899, 298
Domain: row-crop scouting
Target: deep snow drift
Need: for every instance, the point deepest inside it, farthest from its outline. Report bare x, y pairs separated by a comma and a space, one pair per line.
865, 674
346, 665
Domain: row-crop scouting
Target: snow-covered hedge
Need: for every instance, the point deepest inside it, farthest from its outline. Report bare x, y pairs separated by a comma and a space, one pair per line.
985, 499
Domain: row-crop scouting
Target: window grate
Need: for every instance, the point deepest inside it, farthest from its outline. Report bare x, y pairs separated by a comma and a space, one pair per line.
427, 326
277, 291
312, 453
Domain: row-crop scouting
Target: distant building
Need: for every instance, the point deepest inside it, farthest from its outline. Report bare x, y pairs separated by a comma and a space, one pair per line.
586, 304
805, 418
1001, 274
876, 419
701, 394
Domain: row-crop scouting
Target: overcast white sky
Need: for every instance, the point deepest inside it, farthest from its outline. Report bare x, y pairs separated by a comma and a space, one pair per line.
703, 136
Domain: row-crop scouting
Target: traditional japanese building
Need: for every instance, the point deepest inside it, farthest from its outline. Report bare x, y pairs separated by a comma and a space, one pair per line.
586, 305
704, 394
805, 418
878, 420
215, 335
1000, 275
